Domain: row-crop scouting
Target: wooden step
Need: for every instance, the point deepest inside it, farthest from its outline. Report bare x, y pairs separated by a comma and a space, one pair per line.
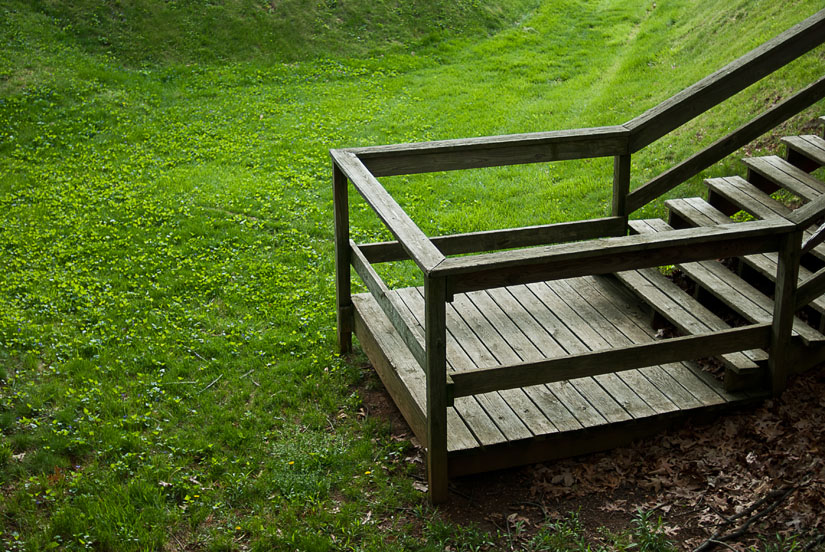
741, 297
732, 193
775, 170
695, 211
806, 151
691, 318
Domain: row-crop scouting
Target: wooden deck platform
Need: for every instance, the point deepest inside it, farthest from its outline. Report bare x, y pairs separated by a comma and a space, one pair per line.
529, 323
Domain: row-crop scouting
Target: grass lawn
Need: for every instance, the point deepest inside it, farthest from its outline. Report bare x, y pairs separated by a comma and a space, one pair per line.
167, 369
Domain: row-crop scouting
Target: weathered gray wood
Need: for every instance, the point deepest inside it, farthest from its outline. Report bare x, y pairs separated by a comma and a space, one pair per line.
587, 398
682, 310
521, 401
470, 409
729, 80
810, 146
435, 328
415, 243
735, 292
343, 299
814, 240
809, 290
611, 360
638, 332
783, 174
493, 240
621, 186
399, 372
808, 213
696, 211
629, 388
746, 197
761, 205
492, 151
508, 408
610, 255
724, 146
527, 345
783, 312
389, 303
543, 395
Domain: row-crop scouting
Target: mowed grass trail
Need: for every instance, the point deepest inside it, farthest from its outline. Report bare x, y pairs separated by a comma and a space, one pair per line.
168, 377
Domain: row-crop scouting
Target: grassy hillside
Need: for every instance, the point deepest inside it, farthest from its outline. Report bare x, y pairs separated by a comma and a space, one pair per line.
167, 367
187, 31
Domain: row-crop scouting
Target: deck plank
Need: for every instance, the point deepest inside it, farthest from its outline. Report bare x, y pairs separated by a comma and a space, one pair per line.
639, 332
600, 391
410, 375
547, 401
522, 405
634, 392
488, 415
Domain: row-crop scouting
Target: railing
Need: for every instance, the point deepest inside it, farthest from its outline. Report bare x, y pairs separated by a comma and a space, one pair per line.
608, 248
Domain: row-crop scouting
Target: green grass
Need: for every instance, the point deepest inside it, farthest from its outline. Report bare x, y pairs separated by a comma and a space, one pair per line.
167, 366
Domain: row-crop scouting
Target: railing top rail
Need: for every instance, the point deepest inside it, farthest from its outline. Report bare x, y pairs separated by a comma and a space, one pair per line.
488, 151
727, 81
595, 251
412, 239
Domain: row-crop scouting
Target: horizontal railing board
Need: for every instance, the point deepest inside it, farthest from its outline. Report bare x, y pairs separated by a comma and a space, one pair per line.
610, 360
489, 151
610, 254
414, 241
726, 145
724, 83
395, 310
810, 289
492, 240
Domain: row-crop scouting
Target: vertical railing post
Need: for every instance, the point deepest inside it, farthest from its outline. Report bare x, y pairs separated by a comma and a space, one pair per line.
343, 297
787, 274
621, 185
435, 298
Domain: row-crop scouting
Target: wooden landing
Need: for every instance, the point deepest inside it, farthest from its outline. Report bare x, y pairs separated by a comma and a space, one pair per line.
527, 323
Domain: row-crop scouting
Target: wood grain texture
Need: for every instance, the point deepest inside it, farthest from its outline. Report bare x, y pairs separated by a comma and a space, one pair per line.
783, 312
435, 335
610, 255
785, 175
390, 304
343, 299
493, 240
415, 243
611, 360
493, 151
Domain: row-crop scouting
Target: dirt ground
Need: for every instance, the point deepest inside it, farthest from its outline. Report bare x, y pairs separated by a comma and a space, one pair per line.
749, 476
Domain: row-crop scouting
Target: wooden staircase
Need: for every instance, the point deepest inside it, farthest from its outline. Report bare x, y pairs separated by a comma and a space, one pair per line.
532, 343
739, 290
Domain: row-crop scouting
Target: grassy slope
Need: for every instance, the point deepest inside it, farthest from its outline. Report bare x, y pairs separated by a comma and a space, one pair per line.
166, 309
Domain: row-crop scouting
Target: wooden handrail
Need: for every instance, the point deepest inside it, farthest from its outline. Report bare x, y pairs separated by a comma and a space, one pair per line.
609, 255
725, 146
493, 151
412, 239
727, 81
395, 311
609, 360
493, 240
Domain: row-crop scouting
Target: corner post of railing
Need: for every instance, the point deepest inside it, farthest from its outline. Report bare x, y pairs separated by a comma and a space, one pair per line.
435, 327
343, 297
787, 274
621, 185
